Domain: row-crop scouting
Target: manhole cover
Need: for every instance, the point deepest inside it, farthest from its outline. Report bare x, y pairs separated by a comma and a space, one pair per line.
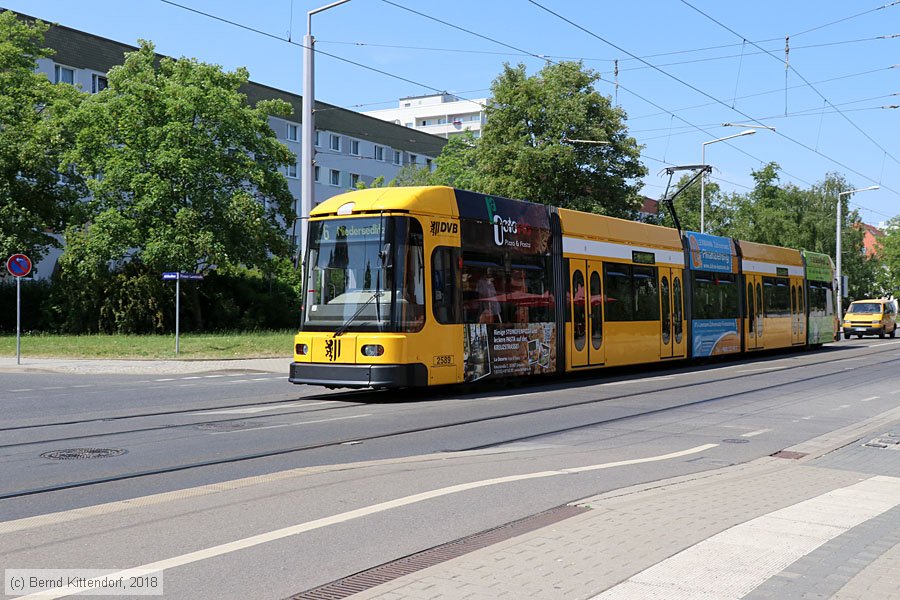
735, 441
221, 426
79, 453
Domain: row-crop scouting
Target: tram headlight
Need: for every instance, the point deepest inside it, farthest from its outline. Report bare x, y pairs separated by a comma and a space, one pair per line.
301, 349
372, 350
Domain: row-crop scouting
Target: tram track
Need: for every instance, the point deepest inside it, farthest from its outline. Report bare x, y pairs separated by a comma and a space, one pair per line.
358, 396
459, 423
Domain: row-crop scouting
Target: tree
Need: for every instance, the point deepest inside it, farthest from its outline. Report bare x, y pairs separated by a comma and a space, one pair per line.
889, 275
35, 197
184, 174
527, 151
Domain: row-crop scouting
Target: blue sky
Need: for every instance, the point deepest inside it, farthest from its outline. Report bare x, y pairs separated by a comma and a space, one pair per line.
715, 62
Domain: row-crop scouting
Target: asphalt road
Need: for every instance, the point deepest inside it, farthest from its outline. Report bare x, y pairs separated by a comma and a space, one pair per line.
206, 459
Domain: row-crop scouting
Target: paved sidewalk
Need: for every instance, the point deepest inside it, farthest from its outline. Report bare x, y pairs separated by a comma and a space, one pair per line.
142, 367
824, 526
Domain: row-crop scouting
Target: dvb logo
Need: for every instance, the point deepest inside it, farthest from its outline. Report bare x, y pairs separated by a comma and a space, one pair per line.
438, 227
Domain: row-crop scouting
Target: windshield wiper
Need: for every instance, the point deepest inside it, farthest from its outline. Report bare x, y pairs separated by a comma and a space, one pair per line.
343, 328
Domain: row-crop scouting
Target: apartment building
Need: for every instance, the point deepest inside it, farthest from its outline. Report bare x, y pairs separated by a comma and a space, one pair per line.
443, 115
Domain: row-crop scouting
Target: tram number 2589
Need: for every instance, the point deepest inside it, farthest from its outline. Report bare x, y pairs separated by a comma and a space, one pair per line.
443, 360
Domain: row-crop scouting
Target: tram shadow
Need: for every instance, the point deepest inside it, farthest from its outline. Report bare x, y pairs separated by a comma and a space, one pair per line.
504, 388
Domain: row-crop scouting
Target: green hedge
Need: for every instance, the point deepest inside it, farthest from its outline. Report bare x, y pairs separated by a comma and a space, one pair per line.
133, 300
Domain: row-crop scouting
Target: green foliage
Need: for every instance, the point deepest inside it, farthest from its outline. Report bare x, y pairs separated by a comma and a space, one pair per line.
889, 275
184, 175
134, 299
524, 150
34, 295
34, 201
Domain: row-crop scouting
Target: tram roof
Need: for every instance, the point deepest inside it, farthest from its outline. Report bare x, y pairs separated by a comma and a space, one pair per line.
770, 254
439, 201
611, 229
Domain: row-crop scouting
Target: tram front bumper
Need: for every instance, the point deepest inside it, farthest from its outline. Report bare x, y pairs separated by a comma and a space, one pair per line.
359, 376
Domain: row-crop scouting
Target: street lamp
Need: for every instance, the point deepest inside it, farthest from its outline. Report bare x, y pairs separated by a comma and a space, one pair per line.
703, 179
837, 255
308, 129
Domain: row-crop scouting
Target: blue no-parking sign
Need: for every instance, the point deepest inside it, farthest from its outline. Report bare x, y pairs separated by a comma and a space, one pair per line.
18, 265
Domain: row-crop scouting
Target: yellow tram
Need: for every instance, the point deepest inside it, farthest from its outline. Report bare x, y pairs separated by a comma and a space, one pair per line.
434, 285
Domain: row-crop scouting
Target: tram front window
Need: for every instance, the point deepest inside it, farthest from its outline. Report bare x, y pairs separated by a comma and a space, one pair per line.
365, 274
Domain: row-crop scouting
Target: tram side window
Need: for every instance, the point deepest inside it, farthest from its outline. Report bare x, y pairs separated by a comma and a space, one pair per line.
777, 296
445, 285
506, 288
715, 295
619, 297
631, 294
818, 298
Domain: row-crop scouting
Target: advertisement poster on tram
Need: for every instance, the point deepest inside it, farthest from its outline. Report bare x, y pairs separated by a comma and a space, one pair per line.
713, 337
509, 349
711, 255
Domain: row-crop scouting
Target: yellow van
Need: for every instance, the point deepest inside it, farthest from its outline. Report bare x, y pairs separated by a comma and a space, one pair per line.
870, 317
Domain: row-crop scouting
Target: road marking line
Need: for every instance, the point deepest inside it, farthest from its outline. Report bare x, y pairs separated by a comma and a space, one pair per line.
23, 390
289, 424
896, 392
870, 398
270, 536
211, 376
192, 377
165, 379
762, 369
755, 433
755, 551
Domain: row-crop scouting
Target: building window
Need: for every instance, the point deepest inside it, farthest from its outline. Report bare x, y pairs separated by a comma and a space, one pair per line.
334, 177
413, 159
354, 179
65, 75
317, 139
428, 163
397, 157
335, 143
379, 152
354, 147
98, 83
409, 125
291, 171
316, 176
291, 132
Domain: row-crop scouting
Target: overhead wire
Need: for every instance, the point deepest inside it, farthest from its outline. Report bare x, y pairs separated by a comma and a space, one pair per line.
706, 94
796, 72
316, 50
632, 92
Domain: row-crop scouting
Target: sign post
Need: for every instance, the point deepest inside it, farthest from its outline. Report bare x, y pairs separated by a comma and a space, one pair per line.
18, 266
178, 276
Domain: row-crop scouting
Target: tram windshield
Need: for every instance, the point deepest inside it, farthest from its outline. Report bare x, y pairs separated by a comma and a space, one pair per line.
365, 274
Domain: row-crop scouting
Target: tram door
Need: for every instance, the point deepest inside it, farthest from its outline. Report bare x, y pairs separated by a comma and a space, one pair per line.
586, 283
753, 319
578, 297
798, 314
596, 349
671, 342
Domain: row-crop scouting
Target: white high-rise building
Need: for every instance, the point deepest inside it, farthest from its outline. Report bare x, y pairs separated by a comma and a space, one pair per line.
443, 115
